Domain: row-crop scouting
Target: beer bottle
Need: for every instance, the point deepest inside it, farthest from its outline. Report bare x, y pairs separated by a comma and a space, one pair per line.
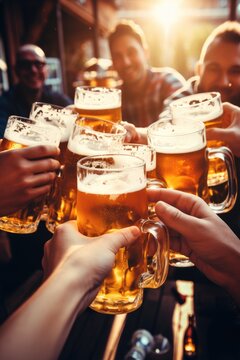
190, 342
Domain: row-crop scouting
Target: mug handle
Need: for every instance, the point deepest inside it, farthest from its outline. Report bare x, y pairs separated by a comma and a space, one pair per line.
157, 264
153, 183
226, 155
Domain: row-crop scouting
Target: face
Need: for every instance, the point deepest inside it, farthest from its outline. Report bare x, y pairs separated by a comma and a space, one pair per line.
31, 70
220, 70
129, 59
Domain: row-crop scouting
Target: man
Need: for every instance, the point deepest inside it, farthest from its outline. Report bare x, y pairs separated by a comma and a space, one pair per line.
144, 89
31, 70
218, 68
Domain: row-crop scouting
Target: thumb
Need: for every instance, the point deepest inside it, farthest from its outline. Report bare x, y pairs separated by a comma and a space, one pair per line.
175, 219
121, 238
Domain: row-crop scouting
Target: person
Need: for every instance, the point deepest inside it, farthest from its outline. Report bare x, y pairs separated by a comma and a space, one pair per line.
31, 71
74, 272
214, 248
230, 131
201, 235
214, 70
143, 88
30, 173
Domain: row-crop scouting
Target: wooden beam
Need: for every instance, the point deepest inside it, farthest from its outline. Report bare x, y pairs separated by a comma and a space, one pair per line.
40, 21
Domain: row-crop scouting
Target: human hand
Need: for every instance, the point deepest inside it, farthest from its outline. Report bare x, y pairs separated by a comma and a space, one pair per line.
90, 259
25, 175
229, 133
198, 233
134, 134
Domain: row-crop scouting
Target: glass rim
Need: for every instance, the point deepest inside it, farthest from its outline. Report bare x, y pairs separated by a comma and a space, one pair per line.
183, 101
200, 126
140, 163
118, 126
98, 89
44, 103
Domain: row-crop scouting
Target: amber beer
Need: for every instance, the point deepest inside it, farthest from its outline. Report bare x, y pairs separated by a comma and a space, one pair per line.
20, 133
89, 137
99, 102
183, 163
206, 107
112, 195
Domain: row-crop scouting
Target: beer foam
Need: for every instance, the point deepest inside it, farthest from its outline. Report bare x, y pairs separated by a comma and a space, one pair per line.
97, 98
181, 138
62, 118
201, 107
88, 146
30, 136
113, 184
144, 152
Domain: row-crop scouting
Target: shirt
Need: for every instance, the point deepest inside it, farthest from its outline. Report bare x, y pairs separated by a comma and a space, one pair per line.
143, 107
12, 102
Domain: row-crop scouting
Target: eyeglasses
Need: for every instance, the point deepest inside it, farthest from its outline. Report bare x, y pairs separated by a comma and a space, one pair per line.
27, 64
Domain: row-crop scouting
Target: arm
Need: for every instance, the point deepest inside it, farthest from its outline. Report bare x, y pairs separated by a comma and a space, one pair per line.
134, 134
26, 174
230, 133
201, 235
74, 271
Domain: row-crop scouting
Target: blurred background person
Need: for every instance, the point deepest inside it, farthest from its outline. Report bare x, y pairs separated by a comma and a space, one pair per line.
31, 70
218, 68
144, 89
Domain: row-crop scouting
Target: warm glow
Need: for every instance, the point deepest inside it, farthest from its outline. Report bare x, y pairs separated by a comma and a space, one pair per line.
167, 13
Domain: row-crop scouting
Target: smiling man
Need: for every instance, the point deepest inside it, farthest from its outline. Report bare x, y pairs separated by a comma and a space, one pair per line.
218, 68
144, 88
31, 70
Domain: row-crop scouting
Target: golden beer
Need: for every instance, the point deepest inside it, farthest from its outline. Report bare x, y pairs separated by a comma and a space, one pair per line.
20, 133
206, 107
184, 171
98, 102
112, 196
183, 164
89, 137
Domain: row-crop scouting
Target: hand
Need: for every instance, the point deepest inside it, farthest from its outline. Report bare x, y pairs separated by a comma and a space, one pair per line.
230, 131
134, 135
90, 259
202, 235
25, 175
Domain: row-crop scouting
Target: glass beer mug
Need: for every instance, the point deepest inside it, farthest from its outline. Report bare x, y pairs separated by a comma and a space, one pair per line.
99, 102
90, 136
112, 195
206, 107
62, 118
183, 164
19, 133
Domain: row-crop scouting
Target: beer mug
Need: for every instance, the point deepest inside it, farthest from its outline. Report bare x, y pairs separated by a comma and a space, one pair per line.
206, 107
62, 118
19, 133
148, 154
145, 152
112, 195
90, 136
182, 159
99, 102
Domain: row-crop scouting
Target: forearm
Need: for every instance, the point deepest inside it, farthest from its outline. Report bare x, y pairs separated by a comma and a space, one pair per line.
39, 328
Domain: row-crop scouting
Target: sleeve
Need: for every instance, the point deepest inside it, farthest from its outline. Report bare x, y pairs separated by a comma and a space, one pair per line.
5, 112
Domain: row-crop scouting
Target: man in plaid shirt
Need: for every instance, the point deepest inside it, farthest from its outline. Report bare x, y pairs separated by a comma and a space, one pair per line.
144, 89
